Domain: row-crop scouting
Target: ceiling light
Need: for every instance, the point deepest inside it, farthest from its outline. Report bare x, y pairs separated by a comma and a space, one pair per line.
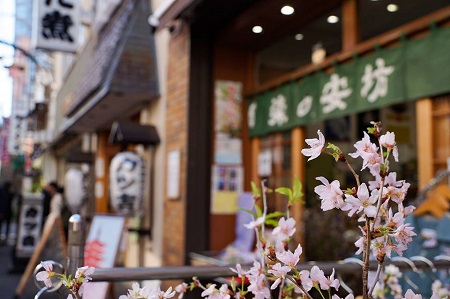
257, 29
332, 19
298, 36
287, 10
392, 7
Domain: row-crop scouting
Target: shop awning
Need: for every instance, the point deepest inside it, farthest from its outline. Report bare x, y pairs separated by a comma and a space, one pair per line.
116, 74
125, 133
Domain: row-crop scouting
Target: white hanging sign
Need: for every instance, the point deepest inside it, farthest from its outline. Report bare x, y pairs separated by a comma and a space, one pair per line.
56, 24
126, 181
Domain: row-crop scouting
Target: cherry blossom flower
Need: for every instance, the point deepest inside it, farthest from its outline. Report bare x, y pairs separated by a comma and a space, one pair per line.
329, 282
316, 146
136, 292
404, 234
388, 141
255, 223
182, 289
163, 295
317, 276
285, 229
208, 292
239, 271
410, 295
45, 275
364, 147
258, 287
330, 194
279, 272
364, 202
256, 270
306, 281
290, 259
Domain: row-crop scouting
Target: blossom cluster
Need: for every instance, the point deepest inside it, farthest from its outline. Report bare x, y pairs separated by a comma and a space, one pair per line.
74, 285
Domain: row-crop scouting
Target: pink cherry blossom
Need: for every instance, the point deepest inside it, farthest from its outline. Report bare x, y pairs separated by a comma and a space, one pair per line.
329, 282
290, 259
239, 271
404, 233
330, 194
208, 292
410, 295
317, 276
316, 146
258, 287
182, 289
307, 282
45, 275
285, 229
388, 141
255, 223
364, 147
364, 202
279, 272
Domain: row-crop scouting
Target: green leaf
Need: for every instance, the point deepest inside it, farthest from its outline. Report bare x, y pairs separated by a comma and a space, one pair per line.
233, 284
258, 211
275, 214
271, 222
297, 188
255, 190
284, 191
248, 211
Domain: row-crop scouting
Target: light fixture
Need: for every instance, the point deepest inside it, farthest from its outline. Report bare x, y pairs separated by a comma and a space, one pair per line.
287, 10
332, 19
392, 7
298, 36
257, 29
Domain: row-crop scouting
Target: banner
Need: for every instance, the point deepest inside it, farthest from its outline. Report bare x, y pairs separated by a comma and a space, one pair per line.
410, 71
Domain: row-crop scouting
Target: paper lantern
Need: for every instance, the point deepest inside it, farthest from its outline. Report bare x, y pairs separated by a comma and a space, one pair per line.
126, 182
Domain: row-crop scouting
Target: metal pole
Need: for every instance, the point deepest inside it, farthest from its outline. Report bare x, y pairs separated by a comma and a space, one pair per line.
76, 241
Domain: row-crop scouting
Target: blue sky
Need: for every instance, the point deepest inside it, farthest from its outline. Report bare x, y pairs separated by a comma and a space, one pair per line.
6, 54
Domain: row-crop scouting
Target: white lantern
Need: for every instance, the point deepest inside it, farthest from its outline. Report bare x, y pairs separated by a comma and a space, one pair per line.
126, 181
74, 190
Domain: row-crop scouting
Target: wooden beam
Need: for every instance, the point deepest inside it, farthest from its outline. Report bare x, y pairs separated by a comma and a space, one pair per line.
424, 129
350, 24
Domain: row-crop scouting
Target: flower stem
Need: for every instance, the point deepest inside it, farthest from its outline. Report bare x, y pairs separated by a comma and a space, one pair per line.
300, 286
366, 258
377, 277
353, 172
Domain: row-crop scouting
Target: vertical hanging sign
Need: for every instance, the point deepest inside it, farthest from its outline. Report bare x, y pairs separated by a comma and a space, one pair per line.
56, 24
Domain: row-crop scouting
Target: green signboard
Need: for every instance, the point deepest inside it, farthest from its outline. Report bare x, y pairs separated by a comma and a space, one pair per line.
412, 70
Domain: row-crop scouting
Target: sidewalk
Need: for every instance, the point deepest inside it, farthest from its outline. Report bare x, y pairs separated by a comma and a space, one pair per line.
11, 274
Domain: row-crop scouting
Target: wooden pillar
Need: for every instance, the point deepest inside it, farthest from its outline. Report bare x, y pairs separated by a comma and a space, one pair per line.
350, 24
424, 129
101, 175
255, 145
298, 164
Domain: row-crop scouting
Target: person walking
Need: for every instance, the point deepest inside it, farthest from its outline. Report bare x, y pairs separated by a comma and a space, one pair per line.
6, 198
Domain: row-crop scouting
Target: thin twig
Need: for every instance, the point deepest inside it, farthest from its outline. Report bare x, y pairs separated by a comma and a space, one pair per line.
377, 277
300, 287
353, 172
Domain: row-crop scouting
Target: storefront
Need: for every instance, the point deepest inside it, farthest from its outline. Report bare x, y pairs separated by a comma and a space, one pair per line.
379, 62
